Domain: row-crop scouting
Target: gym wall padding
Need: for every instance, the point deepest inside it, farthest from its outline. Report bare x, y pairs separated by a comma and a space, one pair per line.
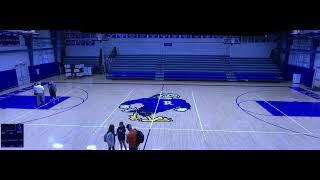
306, 74
8, 79
45, 71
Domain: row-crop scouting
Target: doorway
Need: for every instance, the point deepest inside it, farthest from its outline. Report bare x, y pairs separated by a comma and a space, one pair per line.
22, 73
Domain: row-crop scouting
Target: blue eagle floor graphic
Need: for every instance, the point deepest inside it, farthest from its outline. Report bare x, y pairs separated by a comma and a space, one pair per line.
154, 105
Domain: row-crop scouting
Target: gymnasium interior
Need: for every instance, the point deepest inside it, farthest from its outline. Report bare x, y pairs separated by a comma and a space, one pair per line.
182, 91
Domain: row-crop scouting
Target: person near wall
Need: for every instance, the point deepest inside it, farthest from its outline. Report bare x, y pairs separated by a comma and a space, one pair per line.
53, 91
39, 92
34, 91
115, 52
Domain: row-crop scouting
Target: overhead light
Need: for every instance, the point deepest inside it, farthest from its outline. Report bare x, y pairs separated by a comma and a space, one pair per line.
57, 146
21, 32
295, 32
91, 147
99, 36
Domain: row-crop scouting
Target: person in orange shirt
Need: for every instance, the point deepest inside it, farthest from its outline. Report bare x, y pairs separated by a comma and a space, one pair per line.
132, 138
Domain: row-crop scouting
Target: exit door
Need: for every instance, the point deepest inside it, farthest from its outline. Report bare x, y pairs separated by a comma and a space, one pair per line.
22, 73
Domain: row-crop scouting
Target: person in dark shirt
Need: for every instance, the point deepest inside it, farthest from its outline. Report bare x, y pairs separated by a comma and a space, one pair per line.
121, 133
53, 91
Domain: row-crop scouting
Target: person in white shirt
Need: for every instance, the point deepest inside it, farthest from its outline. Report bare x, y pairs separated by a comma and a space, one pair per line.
39, 91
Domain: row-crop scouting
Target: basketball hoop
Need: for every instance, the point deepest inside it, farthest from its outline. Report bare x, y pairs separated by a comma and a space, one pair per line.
231, 41
316, 79
99, 36
294, 32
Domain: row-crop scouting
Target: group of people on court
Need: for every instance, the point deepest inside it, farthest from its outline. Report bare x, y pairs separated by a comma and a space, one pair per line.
133, 138
39, 91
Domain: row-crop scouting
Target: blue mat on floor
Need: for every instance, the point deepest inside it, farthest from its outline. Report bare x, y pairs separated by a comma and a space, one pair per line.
307, 92
27, 102
311, 109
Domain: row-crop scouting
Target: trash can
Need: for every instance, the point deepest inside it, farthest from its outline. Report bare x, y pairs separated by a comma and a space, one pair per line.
296, 78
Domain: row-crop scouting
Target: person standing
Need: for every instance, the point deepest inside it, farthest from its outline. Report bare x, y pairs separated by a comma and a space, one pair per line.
53, 91
121, 133
132, 138
39, 92
110, 137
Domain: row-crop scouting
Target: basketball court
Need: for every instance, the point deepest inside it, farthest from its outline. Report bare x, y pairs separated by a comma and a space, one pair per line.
209, 115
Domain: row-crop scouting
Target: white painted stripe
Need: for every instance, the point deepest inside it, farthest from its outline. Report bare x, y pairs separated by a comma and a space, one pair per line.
155, 111
105, 120
172, 129
284, 114
228, 131
264, 132
69, 125
195, 104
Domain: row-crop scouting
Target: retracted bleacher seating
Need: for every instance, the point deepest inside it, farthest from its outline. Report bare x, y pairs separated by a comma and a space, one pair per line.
255, 69
193, 67
134, 67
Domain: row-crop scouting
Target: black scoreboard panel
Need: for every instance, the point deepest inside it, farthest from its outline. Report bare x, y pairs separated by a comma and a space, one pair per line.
12, 136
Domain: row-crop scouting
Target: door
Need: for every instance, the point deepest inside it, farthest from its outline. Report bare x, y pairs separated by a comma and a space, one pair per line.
22, 73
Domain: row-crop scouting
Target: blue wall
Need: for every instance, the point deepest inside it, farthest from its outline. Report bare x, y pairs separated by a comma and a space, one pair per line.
45, 71
8, 79
306, 74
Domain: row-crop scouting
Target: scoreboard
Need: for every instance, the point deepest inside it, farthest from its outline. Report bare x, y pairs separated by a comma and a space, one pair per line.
12, 135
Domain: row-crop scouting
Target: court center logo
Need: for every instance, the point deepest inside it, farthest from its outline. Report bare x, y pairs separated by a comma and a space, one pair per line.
146, 109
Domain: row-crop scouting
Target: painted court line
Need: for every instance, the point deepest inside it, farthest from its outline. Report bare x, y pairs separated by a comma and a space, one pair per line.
195, 104
69, 125
285, 114
171, 129
263, 132
154, 114
105, 120
229, 131
155, 111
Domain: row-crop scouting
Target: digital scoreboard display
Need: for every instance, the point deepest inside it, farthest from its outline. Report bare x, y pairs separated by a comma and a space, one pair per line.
12, 136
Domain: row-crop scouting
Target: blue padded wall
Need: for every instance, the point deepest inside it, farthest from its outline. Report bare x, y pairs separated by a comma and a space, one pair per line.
306, 74
45, 71
8, 79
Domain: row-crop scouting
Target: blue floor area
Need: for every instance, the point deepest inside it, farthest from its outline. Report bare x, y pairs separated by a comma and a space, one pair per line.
307, 92
311, 109
13, 100
27, 102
